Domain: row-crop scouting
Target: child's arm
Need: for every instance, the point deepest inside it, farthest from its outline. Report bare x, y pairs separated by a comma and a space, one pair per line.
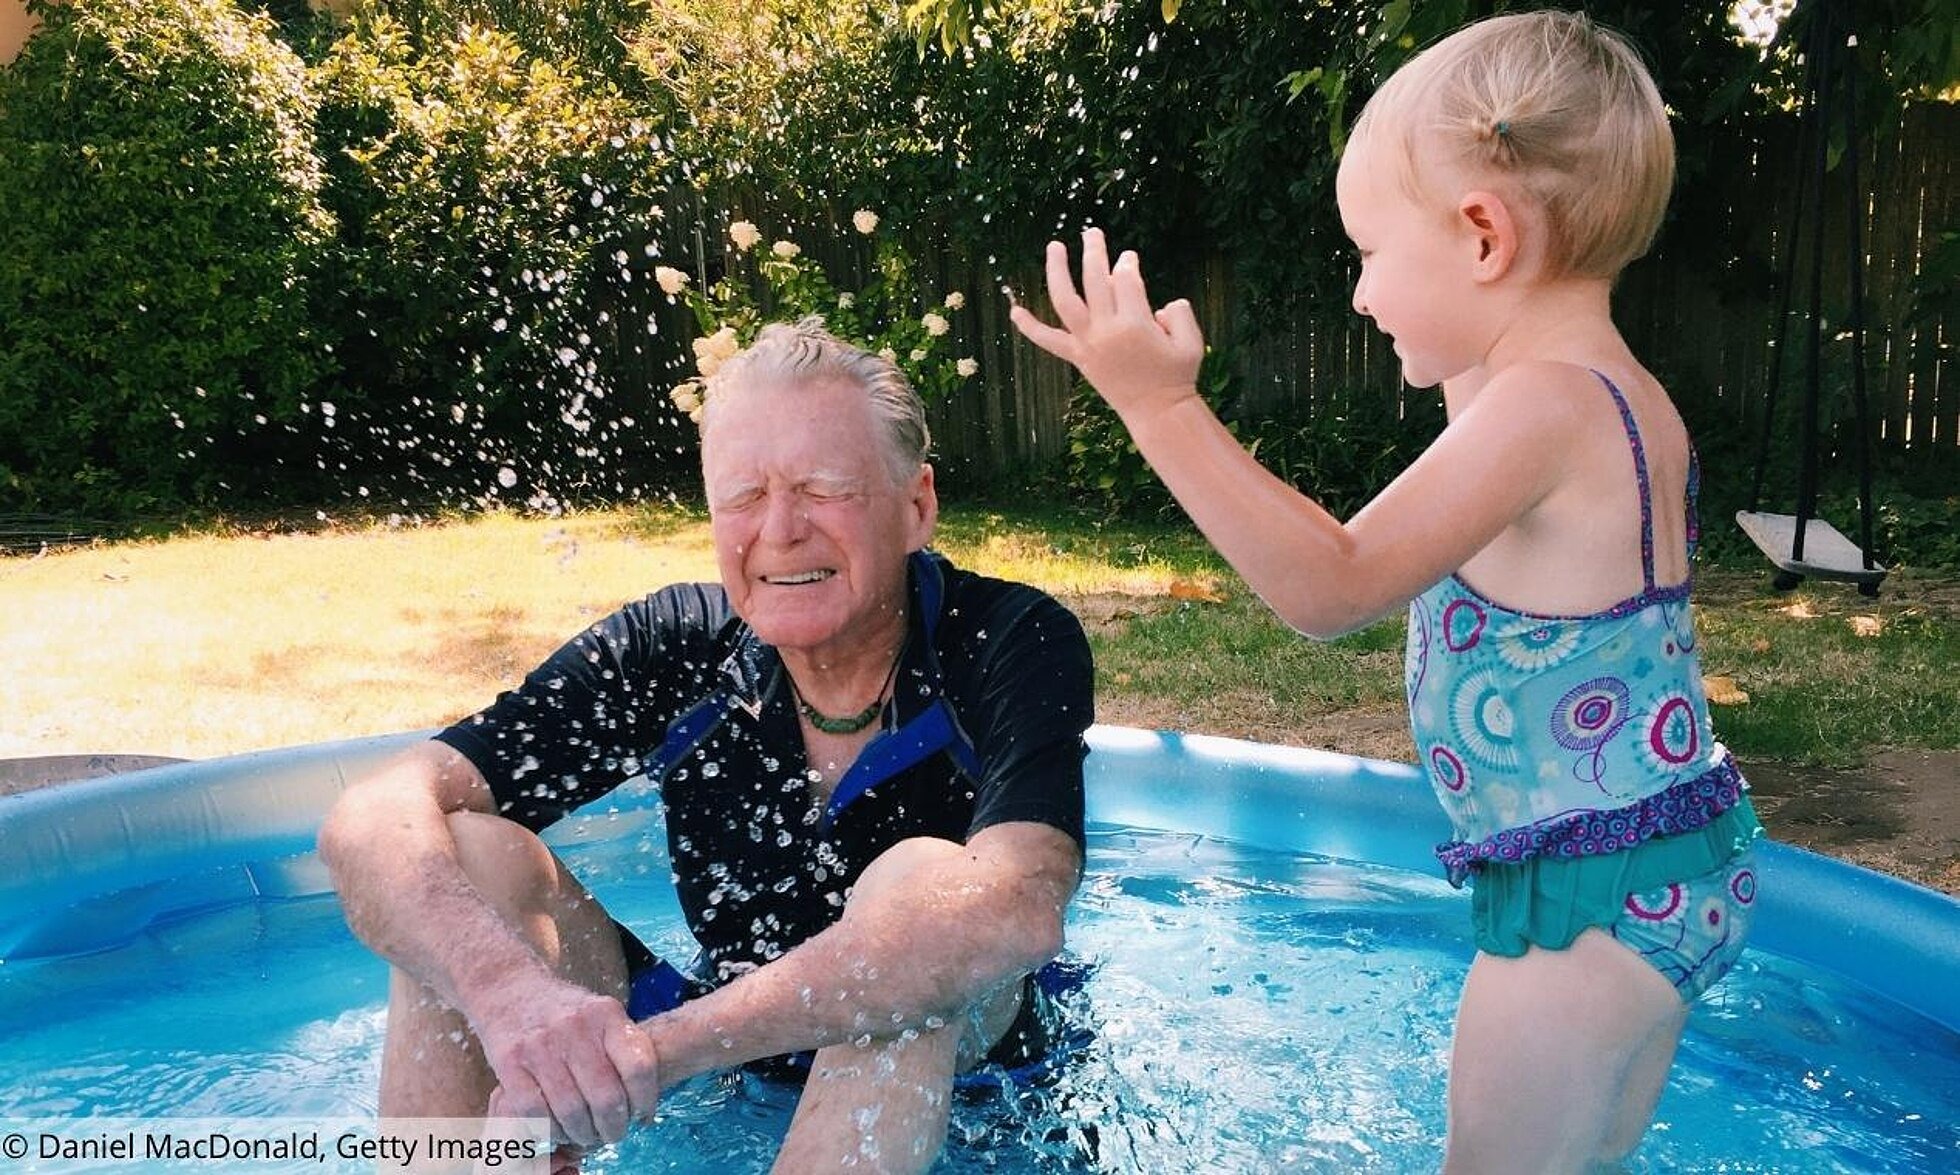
1496, 460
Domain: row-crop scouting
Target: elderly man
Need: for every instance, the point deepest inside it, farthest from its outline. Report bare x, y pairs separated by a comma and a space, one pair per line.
871, 765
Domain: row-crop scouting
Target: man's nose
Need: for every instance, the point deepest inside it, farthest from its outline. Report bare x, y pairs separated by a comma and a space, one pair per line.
784, 518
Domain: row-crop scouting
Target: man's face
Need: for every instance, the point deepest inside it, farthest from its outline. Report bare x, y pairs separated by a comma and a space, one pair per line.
810, 532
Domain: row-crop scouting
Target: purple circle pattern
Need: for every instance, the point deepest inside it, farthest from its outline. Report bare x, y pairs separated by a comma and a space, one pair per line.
1455, 638
1590, 713
1673, 736
1660, 911
1448, 769
1742, 887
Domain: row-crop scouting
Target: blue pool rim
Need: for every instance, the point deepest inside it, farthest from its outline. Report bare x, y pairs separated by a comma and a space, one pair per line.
91, 863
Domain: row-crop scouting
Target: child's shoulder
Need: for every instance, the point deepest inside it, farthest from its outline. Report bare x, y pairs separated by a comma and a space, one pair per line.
1551, 391
1549, 377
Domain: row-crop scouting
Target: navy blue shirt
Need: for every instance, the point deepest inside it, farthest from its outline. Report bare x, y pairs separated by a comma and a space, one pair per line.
992, 696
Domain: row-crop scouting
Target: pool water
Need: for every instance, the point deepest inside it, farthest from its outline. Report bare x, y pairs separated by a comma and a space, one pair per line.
1252, 1011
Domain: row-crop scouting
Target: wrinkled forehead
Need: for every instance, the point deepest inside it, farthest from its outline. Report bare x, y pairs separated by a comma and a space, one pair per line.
788, 429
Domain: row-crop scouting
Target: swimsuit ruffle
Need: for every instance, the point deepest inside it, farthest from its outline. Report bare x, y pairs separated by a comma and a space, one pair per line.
1548, 901
1682, 808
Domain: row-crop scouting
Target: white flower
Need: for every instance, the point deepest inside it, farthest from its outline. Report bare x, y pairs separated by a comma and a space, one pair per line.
744, 234
935, 324
672, 281
918, 354
722, 344
955, 300
887, 354
687, 396
846, 300
865, 221
711, 351
786, 249
967, 367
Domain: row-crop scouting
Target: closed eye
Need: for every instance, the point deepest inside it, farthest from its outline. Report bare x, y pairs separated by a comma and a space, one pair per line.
738, 500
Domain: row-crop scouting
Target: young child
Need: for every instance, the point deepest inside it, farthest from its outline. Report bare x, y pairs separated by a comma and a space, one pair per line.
1494, 188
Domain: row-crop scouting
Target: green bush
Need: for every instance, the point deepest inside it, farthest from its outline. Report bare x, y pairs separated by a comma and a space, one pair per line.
162, 217
1340, 452
491, 289
1344, 452
1105, 471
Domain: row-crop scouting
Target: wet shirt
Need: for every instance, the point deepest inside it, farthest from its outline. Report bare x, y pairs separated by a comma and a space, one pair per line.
1565, 736
985, 726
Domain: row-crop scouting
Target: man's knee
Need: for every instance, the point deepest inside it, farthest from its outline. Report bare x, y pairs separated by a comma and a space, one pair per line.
892, 867
505, 862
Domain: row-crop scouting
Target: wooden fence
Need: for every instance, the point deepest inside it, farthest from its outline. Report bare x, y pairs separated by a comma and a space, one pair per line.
1703, 320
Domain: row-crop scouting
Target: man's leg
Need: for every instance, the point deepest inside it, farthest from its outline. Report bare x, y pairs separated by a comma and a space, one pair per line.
431, 1064
880, 1103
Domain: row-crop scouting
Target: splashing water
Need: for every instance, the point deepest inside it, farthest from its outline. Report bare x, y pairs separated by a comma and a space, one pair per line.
1250, 1010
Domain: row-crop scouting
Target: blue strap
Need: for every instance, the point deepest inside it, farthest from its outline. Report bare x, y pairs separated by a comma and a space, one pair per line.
1694, 501
894, 751
685, 732
1646, 486
933, 730
656, 989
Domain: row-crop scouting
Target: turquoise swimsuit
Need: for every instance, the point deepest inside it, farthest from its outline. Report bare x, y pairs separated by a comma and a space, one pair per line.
1574, 757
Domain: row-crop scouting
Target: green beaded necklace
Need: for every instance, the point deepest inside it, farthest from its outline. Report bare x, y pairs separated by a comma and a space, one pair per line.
850, 724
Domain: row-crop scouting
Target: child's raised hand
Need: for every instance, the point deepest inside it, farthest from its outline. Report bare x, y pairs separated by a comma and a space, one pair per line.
1138, 359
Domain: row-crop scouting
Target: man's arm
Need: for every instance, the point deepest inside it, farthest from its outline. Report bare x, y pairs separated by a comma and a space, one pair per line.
930, 927
556, 1047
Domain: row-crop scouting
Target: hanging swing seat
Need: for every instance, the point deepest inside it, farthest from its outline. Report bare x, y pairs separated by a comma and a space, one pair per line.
1827, 554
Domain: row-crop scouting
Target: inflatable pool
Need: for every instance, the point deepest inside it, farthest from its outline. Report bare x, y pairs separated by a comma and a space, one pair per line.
1265, 896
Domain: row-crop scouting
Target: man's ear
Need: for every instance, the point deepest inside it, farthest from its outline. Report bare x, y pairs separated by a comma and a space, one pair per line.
925, 509
1487, 222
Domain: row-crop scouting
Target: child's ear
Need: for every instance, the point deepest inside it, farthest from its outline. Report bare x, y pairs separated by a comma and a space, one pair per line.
1487, 221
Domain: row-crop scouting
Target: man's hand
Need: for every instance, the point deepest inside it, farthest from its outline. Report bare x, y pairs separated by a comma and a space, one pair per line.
567, 1054
1140, 360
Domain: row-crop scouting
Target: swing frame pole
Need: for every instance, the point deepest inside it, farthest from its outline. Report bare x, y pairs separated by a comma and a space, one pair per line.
1820, 73
1829, 52
1860, 401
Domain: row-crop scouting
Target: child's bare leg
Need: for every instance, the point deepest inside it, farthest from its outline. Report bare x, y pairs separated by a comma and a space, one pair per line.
1645, 1081
1559, 1058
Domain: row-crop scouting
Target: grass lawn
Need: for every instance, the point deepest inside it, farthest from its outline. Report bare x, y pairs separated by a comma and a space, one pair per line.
217, 642
212, 643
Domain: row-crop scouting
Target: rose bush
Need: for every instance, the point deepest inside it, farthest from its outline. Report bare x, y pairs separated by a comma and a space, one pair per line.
889, 314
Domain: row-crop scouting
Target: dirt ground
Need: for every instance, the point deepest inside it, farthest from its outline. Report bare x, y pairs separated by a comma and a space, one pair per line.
1898, 814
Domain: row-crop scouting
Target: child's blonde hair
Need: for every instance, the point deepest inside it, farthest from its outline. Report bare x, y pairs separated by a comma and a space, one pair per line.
1546, 105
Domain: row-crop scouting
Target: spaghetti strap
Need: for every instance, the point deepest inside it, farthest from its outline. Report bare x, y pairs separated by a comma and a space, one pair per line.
1646, 487
1694, 500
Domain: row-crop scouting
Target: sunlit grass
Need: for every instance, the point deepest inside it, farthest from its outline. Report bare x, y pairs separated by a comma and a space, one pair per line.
205, 645
1831, 674
213, 643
